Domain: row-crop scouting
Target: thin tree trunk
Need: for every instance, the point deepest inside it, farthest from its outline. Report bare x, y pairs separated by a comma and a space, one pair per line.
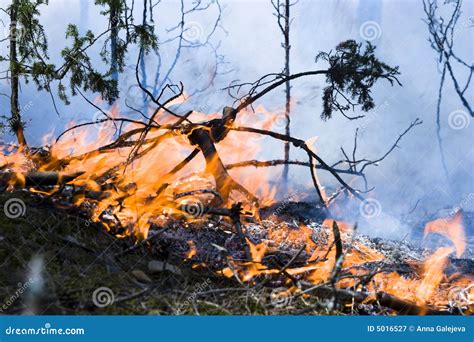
142, 63
287, 48
114, 22
16, 123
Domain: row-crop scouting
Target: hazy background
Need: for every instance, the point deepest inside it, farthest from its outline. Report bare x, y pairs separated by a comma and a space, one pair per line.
248, 43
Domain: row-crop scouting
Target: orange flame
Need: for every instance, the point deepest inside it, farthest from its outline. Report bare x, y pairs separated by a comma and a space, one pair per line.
132, 194
452, 228
433, 274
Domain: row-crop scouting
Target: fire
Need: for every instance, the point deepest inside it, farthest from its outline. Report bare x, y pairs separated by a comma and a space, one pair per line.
128, 189
134, 193
433, 274
192, 250
431, 287
452, 228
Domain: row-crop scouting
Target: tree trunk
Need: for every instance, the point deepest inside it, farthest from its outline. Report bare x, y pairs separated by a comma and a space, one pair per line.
16, 124
287, 48
114, 23
143, 65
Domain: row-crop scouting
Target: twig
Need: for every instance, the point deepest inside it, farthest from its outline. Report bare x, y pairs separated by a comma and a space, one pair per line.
235, 211
284, 268
301, 144
151, 236
277, 162
413, 124
322, 200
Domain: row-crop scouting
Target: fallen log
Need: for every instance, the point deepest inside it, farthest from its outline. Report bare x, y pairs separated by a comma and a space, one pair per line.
47, 178
381, 298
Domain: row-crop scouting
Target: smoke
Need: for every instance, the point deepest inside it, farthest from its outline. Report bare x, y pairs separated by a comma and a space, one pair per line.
35, 289
409, 184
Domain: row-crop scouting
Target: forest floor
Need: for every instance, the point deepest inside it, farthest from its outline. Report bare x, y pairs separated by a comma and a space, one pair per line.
78, 258
55, 261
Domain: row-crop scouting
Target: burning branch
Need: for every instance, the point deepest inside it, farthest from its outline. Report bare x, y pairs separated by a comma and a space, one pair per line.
347, 72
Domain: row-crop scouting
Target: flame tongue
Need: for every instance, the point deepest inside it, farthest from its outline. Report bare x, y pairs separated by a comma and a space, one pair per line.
433, 274
451, 228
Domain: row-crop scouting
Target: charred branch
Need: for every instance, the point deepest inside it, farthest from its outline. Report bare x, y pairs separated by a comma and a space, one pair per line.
38, 179
301, 144
206, 137
381, 298
277, 162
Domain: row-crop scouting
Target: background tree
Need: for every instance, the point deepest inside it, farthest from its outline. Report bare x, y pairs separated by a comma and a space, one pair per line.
27, 45
28, 56
442, 31
117, 12
282, 8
